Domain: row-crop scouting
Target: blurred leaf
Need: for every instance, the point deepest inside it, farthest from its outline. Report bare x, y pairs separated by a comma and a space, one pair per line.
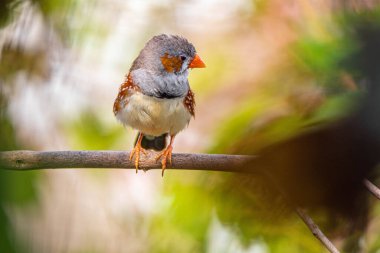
90, 132
6, 10
182, 225
218, 69
14, 60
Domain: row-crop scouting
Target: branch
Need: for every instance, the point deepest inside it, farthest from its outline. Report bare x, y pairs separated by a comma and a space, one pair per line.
312, 226
317, 232
372, 188
31, 160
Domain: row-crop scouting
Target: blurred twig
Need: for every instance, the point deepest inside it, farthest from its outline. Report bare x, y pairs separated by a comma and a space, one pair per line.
317, 232
313, 227
372, 188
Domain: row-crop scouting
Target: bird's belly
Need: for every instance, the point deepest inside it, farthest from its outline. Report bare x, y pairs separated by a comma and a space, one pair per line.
154, 116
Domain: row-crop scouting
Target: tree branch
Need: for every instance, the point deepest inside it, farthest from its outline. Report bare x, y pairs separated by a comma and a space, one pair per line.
312, 226
31, 160
372, 188
317, 232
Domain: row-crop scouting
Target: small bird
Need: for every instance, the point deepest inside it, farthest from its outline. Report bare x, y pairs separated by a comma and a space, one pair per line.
156, 98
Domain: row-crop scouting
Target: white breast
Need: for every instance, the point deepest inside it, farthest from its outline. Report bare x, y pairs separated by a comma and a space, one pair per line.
154, 116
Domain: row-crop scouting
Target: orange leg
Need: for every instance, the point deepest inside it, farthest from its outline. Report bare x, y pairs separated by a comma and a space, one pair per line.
136, 151
166, 154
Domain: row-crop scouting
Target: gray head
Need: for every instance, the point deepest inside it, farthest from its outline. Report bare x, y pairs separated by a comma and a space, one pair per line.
161, 68
165, 54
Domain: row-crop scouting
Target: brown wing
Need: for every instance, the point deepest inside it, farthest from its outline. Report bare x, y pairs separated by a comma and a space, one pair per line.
126, 89
189, 102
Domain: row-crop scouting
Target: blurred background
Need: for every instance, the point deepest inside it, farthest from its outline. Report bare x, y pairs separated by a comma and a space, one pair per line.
273, 68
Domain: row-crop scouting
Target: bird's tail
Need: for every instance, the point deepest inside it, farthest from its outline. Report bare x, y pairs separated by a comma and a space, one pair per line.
157, 143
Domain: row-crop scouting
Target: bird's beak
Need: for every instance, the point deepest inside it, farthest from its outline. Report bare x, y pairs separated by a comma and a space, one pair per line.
197, 62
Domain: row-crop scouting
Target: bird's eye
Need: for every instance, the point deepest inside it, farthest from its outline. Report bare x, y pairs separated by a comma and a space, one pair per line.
183, 57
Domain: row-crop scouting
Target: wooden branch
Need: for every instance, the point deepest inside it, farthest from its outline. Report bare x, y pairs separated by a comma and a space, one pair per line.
317, 232
313, 227
372, 188
31, 160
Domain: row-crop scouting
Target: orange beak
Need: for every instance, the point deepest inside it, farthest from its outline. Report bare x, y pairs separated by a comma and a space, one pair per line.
197, 62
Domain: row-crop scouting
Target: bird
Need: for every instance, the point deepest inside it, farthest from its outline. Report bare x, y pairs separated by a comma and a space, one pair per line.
155, 97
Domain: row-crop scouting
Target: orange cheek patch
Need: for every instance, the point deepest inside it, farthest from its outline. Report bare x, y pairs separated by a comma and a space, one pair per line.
171, 63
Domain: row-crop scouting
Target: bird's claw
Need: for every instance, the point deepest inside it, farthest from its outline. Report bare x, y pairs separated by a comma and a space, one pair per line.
165, 155
136, 152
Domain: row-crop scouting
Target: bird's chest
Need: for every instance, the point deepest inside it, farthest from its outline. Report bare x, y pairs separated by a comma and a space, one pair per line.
155, 116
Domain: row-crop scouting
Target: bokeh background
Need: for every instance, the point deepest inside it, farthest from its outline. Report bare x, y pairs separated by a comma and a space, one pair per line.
273, 67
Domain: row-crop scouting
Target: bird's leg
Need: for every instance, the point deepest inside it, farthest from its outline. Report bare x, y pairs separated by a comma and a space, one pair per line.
166, 154
136, 151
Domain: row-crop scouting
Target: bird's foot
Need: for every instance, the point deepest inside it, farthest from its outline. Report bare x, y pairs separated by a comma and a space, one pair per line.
136, 152
166, 155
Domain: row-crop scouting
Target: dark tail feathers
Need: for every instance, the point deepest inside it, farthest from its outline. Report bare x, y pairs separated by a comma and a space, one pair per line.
152, 142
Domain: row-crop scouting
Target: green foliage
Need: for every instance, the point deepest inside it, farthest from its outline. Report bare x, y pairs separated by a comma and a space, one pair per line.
89, 131
55, 7
7, 136
336, 107
56, 11
182, 224
6, 9
323, 56
234, 128
218, 69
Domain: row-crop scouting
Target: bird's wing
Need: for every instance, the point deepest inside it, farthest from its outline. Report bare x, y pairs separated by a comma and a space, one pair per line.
189, 102
126, 90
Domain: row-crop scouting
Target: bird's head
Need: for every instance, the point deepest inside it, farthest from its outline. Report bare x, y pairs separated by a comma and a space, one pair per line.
168, 54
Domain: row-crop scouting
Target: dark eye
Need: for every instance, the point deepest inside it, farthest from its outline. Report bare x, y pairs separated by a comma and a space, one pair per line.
183, 57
